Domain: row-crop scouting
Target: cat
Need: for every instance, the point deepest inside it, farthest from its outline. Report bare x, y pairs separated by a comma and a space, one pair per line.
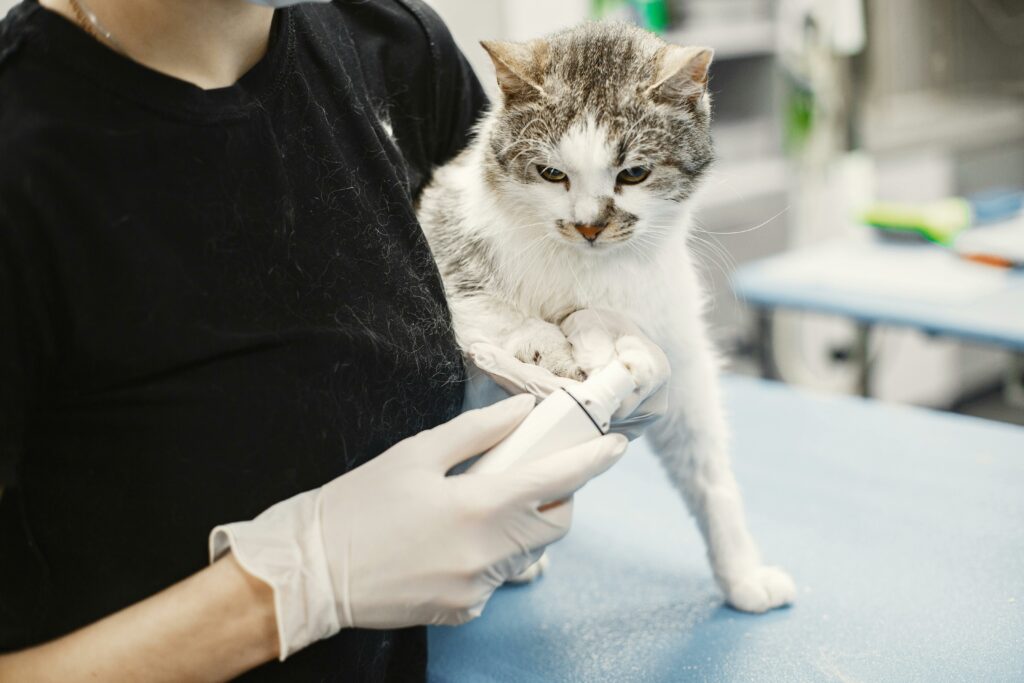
575, 192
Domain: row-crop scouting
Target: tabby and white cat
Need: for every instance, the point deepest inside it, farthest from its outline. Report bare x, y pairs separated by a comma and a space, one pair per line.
575, 194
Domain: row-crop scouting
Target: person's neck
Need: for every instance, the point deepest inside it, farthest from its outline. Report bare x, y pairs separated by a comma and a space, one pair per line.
210, 43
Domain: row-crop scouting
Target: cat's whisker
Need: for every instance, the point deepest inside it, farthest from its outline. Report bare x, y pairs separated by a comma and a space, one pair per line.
746, 230
539, 148
528, 261
531, 286
645, 248
660, 229
542, 241
707, 254
581, 297
530, 246
527, 226
716, 246
523, 286
632, 134
529, 161
522, 138
536, 119
708, 240
645, 255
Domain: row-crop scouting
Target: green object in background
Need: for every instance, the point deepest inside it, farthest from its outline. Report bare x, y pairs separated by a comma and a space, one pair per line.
939, 221
652, 15
599, 9
798, 117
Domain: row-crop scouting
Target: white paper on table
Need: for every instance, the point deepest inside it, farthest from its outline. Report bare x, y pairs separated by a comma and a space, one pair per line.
1004, 240
924, 273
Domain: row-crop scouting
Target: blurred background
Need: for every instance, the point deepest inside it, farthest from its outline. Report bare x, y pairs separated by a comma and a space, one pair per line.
861, 232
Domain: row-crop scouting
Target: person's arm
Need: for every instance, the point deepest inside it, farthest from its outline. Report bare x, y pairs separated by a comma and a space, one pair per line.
213, 626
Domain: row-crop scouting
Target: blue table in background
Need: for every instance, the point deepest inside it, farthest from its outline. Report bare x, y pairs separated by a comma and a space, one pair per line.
921, 286
903, 528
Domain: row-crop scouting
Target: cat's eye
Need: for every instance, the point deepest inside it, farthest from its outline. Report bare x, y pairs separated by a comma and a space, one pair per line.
552, 175
634, 175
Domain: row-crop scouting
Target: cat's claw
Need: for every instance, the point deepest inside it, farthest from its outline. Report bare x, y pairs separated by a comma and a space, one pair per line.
761, 589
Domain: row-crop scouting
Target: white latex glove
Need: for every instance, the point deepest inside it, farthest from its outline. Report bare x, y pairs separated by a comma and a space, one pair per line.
597, 337
396, 543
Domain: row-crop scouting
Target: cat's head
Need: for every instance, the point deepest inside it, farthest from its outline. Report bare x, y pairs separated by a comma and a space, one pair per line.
601, 135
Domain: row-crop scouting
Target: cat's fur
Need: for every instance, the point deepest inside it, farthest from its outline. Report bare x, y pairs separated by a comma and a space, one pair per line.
591, 101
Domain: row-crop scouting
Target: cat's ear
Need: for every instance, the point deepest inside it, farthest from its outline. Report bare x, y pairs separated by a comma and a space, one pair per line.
519, 67
681, 76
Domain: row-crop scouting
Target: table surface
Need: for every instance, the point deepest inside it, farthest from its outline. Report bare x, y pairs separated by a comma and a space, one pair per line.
916, 285
904, 529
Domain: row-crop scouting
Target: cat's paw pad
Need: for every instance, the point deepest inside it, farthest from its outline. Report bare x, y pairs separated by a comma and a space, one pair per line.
533, 571
761, 589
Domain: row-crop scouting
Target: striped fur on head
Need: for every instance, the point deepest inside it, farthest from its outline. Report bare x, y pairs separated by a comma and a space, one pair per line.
591, 101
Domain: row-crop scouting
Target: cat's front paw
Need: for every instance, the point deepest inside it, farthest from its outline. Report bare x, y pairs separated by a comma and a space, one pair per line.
540, 343
645, 362
761, 589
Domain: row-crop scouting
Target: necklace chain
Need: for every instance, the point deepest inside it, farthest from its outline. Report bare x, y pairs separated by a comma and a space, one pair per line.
91, 24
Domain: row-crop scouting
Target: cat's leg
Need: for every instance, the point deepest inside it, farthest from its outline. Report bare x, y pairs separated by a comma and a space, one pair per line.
692, 442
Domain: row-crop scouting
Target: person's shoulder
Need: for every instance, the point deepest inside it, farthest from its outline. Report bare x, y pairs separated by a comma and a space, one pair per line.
411, 27
430, 23
394, 13
442, 45
23, 88
411, 63
15, 29
12, 28
28, 118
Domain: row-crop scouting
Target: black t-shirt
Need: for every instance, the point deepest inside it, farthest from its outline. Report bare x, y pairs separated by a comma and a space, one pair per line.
213, 300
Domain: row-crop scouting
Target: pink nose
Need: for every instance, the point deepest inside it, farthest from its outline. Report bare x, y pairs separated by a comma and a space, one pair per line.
589, 232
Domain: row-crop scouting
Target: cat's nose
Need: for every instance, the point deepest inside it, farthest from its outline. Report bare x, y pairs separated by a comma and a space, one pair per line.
589, 232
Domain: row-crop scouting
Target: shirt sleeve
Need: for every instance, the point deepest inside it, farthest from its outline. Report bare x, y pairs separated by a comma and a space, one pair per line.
459, 99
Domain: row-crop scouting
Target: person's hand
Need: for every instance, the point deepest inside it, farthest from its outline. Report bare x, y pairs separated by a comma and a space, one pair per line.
597, 337
397, 543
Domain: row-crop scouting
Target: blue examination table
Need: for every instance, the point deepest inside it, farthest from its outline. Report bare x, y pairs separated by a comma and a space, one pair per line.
903, 528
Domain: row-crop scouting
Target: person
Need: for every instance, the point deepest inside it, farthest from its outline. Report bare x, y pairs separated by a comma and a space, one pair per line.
216, 305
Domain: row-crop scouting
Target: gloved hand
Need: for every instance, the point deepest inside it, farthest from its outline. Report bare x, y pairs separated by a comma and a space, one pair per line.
597, 336
396, 543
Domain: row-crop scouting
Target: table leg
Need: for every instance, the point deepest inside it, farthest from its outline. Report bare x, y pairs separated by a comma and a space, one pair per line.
1013, 387
863, 359
765, 350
